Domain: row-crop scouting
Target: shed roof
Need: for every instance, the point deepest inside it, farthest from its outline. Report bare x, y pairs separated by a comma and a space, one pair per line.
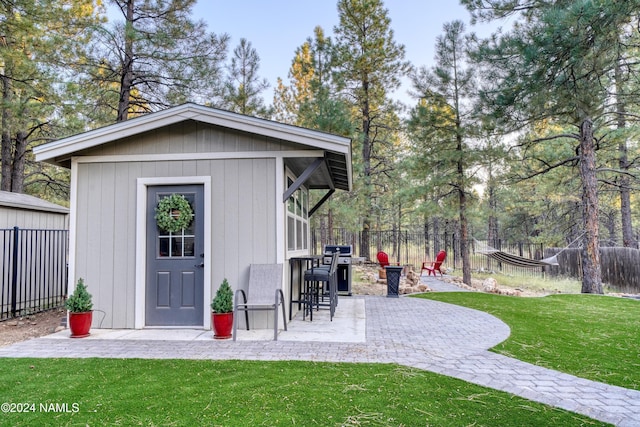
337, 148
24, 201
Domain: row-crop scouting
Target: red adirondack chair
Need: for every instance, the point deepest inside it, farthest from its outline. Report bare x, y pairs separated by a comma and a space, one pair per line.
433, 266
383, 259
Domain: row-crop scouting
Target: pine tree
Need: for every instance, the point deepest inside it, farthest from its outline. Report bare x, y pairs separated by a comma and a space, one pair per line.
39, 42
288, 99
445, 92
623, 181
313, 97
243, 85
370, 64
156, 57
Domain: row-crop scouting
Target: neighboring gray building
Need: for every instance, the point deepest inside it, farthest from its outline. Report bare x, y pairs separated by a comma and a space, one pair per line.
247, 180
33, 259
24, 211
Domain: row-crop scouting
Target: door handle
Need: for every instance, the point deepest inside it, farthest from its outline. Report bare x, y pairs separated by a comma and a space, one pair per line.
201, 265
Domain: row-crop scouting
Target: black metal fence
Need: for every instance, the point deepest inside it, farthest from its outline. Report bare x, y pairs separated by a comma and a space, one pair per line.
33, 270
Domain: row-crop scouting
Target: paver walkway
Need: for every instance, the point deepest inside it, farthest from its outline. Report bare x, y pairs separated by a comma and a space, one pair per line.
424, 334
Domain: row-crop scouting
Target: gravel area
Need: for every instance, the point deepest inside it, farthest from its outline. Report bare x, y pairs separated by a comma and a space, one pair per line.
31, 326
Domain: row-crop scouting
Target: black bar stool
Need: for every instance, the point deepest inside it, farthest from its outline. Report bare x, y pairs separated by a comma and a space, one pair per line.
315, 279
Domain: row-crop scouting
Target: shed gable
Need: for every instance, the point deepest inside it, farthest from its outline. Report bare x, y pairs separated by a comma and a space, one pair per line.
190, 137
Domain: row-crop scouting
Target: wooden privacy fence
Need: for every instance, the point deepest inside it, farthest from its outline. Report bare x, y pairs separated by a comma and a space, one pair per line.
620, 266
33, 269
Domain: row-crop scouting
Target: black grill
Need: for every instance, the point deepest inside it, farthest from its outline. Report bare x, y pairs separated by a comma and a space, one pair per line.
344, 265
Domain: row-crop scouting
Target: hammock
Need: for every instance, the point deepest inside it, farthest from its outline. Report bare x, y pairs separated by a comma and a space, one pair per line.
519, 261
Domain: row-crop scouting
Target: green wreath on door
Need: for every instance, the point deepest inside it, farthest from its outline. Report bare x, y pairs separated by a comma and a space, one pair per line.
173, 213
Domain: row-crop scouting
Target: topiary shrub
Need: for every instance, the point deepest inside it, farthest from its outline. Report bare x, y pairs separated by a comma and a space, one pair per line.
223, 301
80, 300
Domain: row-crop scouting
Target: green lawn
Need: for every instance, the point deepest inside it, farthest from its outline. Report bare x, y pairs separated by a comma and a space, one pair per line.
233, 393
590, 336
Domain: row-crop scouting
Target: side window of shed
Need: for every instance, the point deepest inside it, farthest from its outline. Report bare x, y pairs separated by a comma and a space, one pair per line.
297, 218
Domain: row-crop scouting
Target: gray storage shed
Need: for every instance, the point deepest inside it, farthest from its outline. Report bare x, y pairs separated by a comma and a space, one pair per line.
33, 259
247, 180
24, 211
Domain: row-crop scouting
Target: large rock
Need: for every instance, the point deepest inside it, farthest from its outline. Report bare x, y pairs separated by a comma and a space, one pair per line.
413, 279
489, 284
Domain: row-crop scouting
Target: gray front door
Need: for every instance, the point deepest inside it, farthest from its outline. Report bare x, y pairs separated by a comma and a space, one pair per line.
175, 261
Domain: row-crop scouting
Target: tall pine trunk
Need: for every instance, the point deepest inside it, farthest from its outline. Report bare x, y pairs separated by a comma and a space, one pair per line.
425, 231
438, 241
492, 221
19, 161
6, 150
625, 198
591, 270
462, 184
623, 163
6, 161
367, 192
464, 231
126, 78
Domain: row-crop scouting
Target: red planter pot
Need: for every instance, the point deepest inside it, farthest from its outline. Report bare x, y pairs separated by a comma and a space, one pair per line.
222, 325
80, 323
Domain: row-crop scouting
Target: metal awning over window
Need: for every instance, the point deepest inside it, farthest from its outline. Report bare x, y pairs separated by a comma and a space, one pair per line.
319, 173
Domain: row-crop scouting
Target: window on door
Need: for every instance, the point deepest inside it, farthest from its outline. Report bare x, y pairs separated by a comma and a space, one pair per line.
179, 244
297, 218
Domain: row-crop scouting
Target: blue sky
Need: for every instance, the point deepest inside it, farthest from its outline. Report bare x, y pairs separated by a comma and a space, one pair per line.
276, 28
